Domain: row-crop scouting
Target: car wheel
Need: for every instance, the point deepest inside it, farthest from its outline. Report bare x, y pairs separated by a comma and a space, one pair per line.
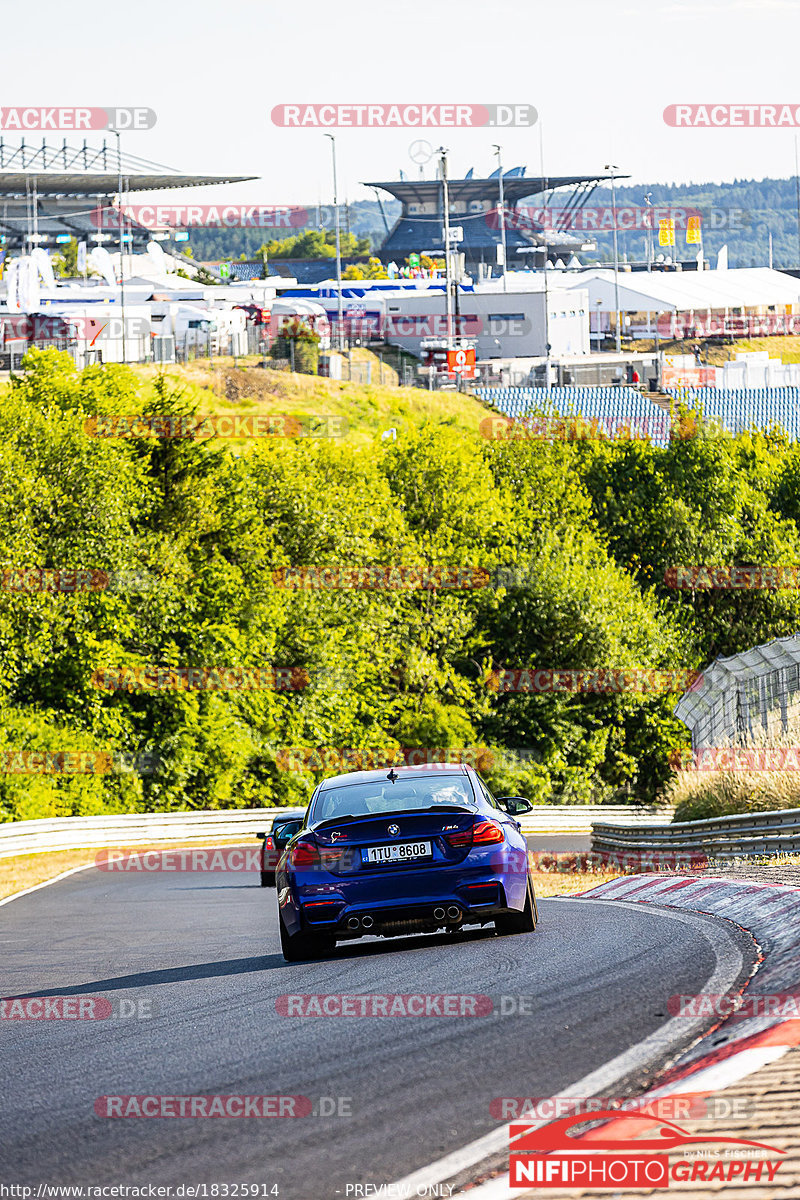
298, 947
524, 922
268, 879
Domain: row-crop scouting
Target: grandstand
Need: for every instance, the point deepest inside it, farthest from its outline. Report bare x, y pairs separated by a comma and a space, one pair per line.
738, 409
615, 409
472, 205
51, 193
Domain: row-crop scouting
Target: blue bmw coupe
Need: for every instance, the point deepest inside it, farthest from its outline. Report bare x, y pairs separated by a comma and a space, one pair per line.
401, 851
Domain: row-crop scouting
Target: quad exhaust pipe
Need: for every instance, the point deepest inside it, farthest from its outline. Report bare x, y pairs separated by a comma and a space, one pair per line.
453, 913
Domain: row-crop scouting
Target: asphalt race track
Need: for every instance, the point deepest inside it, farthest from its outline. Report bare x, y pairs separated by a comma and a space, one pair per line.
202, 951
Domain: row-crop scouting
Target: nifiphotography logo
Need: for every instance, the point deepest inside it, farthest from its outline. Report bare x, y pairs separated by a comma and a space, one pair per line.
549, 1156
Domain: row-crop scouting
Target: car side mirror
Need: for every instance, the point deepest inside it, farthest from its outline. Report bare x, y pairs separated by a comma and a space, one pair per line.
515, 805
261, 836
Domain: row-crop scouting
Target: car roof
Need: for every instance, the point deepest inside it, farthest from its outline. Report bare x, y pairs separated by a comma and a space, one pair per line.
427, 772
296, 816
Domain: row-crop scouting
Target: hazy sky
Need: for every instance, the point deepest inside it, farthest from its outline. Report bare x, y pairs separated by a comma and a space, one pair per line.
599, 72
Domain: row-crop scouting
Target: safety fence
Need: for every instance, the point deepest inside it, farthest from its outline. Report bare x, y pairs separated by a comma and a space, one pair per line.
761, 833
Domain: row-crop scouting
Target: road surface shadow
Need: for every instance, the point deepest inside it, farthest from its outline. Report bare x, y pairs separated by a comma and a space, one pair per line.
210, 970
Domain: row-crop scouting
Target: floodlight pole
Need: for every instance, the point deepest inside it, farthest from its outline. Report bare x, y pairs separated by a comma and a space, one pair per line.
121, 257
649, 204
339, 320
610, 167
448, 289
498, 152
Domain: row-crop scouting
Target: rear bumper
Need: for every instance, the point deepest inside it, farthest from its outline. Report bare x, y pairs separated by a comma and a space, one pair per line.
482, 886
470, 902
389, 919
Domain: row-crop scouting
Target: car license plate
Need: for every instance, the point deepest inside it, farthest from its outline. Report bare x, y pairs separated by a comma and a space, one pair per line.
397, 852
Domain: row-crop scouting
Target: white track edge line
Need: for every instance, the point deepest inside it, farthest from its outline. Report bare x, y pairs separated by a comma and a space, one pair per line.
713, 1079
38, 886
604, 1077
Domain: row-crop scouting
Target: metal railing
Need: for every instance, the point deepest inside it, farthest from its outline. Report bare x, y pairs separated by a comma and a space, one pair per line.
761, 833
137, 829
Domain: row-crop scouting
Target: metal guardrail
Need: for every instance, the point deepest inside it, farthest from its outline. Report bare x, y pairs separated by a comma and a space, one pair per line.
137, 829
775, 832
580, 818
131, 829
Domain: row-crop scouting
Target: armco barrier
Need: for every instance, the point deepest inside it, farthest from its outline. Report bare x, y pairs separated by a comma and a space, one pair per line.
719, 837
136, 829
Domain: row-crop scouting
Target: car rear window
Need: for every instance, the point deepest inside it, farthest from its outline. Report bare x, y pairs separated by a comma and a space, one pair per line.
382, 796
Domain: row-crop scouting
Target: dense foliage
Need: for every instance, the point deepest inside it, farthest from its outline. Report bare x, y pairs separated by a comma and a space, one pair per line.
575, 538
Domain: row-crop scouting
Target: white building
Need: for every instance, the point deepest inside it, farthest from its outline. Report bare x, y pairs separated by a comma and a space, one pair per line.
499, 324
754, 301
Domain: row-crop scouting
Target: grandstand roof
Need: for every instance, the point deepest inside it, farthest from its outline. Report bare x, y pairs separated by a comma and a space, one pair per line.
515, 188
16, 184
85, 170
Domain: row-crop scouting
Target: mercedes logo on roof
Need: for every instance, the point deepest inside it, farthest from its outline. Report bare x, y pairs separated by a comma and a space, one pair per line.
420, 151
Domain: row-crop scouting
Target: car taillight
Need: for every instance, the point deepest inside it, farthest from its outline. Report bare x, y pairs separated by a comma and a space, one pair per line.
463, 837
269, 843
304, 854
487, 833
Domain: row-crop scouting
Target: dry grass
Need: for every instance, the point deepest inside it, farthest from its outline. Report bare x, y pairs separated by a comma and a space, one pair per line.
551, 883
27, 870
369, 408
699, 794
787, 349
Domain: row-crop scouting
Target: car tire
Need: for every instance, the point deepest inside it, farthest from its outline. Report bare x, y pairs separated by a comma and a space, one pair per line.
524, 922
268, 879
299, 947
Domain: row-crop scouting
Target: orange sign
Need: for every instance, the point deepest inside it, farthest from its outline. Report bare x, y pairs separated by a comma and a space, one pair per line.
461, 362
693, 234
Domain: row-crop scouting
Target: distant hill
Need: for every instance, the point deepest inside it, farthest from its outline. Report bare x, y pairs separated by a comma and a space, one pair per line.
740, 215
